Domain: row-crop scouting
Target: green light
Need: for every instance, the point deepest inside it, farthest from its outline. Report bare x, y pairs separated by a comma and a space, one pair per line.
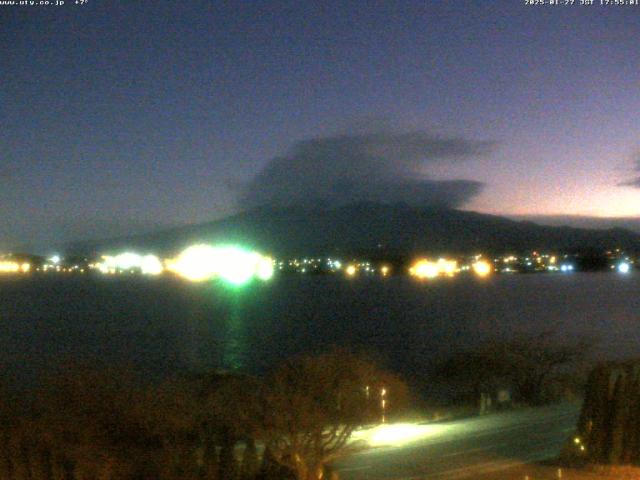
235, 265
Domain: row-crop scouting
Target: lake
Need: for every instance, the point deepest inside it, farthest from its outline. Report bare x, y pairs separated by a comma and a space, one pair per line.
162, 325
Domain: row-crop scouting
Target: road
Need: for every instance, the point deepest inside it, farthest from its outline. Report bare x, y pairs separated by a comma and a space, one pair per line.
463, 448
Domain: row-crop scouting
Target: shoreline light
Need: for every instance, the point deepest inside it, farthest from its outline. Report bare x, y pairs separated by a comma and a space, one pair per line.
196, 263
14, 267
265, 268
232, 264
151, 265
128, 261
427, 269
482, 268
9, 267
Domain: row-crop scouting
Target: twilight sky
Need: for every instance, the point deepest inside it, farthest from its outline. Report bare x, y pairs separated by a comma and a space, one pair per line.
120, 117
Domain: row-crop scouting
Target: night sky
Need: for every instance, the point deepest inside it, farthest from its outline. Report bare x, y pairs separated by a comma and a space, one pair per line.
121, 117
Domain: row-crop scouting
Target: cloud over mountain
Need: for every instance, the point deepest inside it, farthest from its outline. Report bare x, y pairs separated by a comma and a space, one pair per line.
634, 182
385, 167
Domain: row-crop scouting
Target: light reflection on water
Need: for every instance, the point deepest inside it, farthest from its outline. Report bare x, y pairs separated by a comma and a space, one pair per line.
235, 345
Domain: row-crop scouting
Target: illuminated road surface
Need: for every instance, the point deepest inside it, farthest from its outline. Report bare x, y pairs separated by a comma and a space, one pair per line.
464, 448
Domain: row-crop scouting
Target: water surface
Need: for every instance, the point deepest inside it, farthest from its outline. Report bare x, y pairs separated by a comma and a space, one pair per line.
162, 326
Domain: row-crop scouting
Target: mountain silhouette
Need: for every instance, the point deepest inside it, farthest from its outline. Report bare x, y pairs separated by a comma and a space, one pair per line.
371, 228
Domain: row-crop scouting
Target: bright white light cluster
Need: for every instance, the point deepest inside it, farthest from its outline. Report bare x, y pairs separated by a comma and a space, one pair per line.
398, 434
14, 267
624, 267
232, 264
127, 261
428, 269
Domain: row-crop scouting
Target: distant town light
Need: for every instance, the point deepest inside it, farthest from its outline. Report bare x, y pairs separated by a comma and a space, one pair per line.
265, 268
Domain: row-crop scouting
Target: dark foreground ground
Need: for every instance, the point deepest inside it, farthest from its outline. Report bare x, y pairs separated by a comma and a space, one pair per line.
546, 472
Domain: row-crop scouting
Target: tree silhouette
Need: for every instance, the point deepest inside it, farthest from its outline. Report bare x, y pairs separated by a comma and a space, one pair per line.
312, 405
609, 424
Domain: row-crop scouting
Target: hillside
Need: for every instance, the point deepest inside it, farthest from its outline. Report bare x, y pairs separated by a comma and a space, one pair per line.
367, 228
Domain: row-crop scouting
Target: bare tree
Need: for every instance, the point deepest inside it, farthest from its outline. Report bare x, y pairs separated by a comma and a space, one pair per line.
96, 424
312, 405
108, 425
609, 425
528, 364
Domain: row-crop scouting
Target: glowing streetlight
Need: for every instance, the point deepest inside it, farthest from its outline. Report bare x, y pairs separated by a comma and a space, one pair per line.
481, 268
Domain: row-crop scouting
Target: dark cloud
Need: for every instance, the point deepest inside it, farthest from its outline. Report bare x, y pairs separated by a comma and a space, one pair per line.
381, 167
597, 223
634, 182
631, 183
